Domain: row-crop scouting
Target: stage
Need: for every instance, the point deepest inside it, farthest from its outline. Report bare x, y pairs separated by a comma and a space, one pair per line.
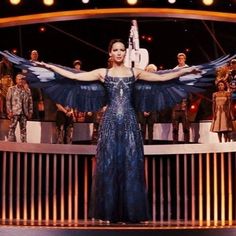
44, 191
100, 229
45, 132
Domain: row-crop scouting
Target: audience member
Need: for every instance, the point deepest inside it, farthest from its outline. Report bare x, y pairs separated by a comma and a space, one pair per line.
64, 124
6, 81
180, 110
147, 119
37, 95
222, 114
19, 108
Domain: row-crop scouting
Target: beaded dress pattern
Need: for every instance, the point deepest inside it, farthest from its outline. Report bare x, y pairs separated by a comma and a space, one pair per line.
118, 189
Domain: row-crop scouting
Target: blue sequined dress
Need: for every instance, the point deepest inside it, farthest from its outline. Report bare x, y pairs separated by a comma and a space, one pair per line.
118, 188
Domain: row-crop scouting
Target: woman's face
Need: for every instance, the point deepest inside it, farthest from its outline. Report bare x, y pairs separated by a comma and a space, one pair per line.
221, 86
117, 53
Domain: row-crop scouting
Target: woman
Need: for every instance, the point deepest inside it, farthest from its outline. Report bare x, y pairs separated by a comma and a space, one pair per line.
118, 187
221, 108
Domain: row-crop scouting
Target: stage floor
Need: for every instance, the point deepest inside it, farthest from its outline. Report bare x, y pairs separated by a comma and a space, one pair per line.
97, 228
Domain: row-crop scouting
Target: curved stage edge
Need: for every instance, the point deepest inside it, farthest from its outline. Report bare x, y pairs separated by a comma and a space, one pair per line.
115, 12
115, 230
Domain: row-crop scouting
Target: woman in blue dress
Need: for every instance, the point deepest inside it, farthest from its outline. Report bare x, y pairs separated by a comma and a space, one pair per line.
119, 192
118, 187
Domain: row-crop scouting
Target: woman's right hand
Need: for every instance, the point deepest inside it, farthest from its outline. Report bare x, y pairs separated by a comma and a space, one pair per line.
46, 65
191, 70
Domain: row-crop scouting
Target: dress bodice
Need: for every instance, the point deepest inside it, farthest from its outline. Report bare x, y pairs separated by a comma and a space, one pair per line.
120, 94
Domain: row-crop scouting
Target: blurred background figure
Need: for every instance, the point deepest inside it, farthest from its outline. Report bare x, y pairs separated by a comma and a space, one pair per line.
180, 110
37, 95
19, 108
64, 124
81, 116
77, 64
221, 109
6, 81
96, 122
148, 119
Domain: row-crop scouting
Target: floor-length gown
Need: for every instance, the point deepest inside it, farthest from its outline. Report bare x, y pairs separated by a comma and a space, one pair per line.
222, 119
118, 188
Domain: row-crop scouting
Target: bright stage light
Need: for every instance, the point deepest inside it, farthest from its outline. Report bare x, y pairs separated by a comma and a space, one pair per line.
207, 2
15, 2
171, 1
48, 2
132, 2
85, 1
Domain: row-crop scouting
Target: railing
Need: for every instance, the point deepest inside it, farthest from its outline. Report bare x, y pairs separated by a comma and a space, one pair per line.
49, 184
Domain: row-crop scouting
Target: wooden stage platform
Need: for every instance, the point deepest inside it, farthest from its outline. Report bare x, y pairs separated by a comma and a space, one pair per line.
44, 191
102, 229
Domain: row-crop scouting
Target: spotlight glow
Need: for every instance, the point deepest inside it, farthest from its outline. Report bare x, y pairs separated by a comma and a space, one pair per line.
85, 1
207, 2
14, 50
48, 2
15, 2
42, 29
132, 2
171, 1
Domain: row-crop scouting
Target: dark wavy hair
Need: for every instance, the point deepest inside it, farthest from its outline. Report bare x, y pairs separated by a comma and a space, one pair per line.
223, 82
113, 41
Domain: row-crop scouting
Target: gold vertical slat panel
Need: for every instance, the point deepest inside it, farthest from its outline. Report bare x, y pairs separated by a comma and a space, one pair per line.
230, 192
47, 190
70, 190
222, 184
86, 189
215, 188
54, 189
193, 193
185, 188
4, 179
168, 191
76, 189
161, 192
18, 208
32, 190
208, 193
200, 191
154, 189
25, 187
11, 188
177, 189
62, 197
40, 188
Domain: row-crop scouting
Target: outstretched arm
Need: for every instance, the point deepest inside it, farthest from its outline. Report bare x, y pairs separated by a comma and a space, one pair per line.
144, 75
93, 75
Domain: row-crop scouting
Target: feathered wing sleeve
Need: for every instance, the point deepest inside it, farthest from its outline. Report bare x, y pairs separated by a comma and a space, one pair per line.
156, 96
84, 96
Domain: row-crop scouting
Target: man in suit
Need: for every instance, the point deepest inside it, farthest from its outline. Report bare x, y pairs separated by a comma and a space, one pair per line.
19, 105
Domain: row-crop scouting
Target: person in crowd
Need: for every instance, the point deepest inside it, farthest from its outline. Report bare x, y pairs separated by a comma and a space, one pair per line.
19, 108
77, 64
119, 192
180, 110
221, 112
64, 124
96, 123
148, 119
37, 95
6, 81
99, 114
81, 116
